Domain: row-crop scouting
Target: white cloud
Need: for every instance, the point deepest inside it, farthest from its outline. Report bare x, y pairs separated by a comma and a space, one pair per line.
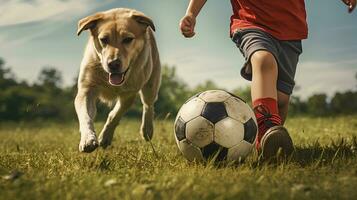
14, 12
196, 66
326, 77
25, 20
196, 60
14, 37
312, 76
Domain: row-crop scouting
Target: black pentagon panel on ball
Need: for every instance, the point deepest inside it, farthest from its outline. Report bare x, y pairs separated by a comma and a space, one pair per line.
214, 112
180, 129
211, 150
250, 131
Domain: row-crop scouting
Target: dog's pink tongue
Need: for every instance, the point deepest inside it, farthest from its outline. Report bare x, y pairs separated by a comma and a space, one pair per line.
116, 78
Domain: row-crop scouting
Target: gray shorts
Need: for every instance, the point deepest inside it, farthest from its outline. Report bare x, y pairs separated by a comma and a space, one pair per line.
286, 54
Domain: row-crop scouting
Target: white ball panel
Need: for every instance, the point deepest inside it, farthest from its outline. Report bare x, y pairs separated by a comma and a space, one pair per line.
191, 109
240, 151
214, 96
238, 110
200, 131
190, 152
228, 132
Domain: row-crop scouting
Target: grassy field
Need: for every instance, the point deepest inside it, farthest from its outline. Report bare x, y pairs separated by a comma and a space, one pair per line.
45, 164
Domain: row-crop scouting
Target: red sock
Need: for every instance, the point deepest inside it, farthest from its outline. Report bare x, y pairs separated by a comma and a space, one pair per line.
267, 114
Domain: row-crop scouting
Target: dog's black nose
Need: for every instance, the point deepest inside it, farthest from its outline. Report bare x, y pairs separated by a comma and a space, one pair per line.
114, 65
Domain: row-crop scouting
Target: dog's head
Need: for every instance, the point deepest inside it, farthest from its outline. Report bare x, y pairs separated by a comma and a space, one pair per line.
119, 36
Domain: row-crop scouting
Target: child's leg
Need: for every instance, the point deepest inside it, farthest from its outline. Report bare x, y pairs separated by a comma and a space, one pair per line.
283, 105
266, 99
270, 65
265, 74
264, 91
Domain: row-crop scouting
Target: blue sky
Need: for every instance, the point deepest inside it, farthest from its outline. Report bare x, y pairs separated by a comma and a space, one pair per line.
37, 33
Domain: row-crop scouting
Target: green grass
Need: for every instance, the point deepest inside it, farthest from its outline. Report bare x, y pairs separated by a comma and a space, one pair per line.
324, 165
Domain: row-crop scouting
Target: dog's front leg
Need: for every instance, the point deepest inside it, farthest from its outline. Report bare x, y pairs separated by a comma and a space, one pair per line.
147, 123
86, 110
120, 108
148, 97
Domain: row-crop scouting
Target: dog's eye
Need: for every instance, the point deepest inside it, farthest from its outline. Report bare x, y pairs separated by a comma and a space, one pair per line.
127, 40
104, 40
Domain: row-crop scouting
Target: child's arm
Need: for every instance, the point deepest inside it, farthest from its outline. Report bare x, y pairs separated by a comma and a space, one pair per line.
351, 4
188, 22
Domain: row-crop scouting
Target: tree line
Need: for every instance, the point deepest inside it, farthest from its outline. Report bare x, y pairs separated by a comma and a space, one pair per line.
47, 98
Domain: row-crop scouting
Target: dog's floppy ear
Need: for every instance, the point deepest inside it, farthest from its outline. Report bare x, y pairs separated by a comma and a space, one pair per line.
143, 19
88, 22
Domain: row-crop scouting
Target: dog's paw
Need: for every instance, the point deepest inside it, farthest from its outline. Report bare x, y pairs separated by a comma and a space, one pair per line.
147, 131
88, 143
105, 138
104, 142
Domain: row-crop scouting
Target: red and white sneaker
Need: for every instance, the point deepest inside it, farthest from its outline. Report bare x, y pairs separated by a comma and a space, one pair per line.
272, 135
275, 138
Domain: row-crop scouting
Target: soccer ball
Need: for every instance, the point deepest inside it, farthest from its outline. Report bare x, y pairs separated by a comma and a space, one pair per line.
215, 125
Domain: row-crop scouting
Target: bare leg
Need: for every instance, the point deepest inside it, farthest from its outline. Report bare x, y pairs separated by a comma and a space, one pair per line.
86, 110
265, 73
283, 104
120, 108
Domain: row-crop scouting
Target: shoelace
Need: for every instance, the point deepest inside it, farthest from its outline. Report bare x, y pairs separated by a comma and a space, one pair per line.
266, 115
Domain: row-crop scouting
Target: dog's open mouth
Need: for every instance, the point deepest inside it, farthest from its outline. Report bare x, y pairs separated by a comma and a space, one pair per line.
117, 79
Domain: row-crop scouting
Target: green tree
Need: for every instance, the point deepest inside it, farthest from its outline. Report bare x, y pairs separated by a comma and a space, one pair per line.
173, 93
17, 102
244, 93
50, 77
344, 103
52, 101
297, 106
207, 85
317, 105
6, 76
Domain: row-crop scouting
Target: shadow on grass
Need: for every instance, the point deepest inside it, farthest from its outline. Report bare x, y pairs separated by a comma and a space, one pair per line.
317, 154
308, 155
314, 154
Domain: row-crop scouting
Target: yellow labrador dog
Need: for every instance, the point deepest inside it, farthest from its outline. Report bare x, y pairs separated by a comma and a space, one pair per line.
121, 60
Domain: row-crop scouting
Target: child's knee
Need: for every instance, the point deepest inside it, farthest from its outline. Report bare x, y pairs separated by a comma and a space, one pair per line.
263, 61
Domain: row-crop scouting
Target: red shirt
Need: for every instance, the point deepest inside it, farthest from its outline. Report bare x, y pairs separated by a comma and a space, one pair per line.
283, 19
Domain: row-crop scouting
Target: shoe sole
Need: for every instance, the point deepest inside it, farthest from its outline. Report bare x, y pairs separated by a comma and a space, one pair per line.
276, 138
